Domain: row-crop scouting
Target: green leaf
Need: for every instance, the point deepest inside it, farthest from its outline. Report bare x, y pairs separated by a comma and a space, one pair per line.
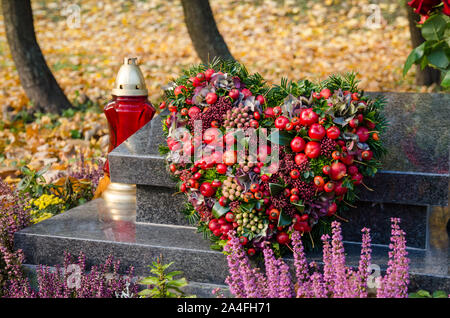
424, 293
149, 281
174, 273
299, 206
280, 138
440, 294
433, 29
284, 219
75, 134
413, 57
438, 57
275, 188
446, 80
219, 210
178, 282
147, 292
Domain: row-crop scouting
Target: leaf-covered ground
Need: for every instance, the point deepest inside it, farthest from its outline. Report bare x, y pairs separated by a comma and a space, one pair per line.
291, 38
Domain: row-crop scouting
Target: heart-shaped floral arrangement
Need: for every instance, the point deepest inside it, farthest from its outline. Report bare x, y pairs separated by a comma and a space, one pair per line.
265, 161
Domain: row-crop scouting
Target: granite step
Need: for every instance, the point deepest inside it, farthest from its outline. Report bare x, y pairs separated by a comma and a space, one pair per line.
100, 230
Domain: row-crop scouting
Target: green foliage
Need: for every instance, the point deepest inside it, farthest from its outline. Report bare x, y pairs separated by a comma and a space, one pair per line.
162, 284
425, 294
301, 88
33, 182
435, 51
346, 82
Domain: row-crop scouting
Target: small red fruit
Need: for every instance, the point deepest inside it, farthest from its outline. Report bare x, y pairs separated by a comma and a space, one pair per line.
325, 93
209, 73
298, 144
357, 178
328, 187
277, 110
216, 183
340, 190
200, 76
336, 155
254, 187
274, 214
352, 170
294, 198
318, 181
223, 201
326, 169
268, 112
316, 131
367, 155
337, 171
308, 117
207, 190
211, 98
363, 133
347, 159
300, 158
229, 217
332, 209
251, 252
193, 111
261, 99
243, 240
294, 174
281, 122
265, 178
333, 132
283, 238
221, 168
234, 93
229, 157
254, 123
246, 92
180, 90
312, 149
213, 225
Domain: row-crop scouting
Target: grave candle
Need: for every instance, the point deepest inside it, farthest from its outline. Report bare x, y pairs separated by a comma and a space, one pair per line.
130, 108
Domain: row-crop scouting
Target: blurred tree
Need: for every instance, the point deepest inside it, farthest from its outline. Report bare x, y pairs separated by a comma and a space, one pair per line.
36, 78
428, 75
202, 28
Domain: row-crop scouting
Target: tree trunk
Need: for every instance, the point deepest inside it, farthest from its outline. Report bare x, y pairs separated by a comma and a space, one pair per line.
36, 78
202, 28
428, 75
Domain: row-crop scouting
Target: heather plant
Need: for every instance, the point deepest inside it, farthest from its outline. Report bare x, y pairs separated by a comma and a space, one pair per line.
336, 279
13, 217
84, 171
73, 280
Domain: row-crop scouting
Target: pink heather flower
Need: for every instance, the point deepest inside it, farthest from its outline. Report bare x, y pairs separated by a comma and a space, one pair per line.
395, 283
340, 281
337, 280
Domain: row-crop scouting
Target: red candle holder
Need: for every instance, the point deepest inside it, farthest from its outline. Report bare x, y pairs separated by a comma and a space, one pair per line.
130, 108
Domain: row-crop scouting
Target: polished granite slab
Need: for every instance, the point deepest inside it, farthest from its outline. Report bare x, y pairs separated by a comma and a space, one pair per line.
99, 229
415, 170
